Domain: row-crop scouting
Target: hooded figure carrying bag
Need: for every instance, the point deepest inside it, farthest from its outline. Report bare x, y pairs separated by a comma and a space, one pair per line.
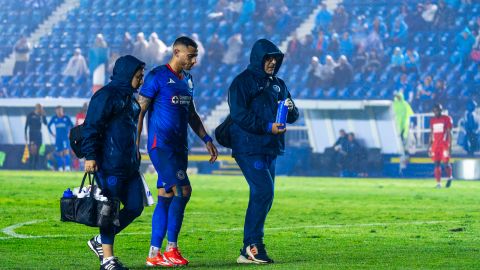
88, 207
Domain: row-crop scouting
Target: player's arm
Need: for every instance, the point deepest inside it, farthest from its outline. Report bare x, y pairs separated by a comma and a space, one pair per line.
197, 126
50, 126
430, 138
144, 104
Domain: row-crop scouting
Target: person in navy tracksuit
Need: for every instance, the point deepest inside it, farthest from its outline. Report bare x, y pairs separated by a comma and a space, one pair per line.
257, 140
110, 134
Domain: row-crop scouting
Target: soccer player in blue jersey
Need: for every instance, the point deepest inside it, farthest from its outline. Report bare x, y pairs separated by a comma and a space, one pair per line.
167, 95
62, 124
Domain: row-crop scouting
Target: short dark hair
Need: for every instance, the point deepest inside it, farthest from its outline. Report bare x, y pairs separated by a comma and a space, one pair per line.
185, 41
438, 106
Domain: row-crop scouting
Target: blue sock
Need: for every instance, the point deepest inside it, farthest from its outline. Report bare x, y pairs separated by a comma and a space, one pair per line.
175, 217
68, 160
59, 160
159, 221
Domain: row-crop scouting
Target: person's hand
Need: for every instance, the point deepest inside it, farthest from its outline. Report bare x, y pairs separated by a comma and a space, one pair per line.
289, 104
91, 166
212, 150
278, 128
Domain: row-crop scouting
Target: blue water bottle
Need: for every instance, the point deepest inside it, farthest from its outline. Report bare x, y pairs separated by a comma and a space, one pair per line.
68, 193
282, 112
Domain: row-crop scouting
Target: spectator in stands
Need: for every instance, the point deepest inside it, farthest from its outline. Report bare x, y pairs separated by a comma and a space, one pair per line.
439, 94
346, 45
308, 48
343, 73
156, 51
359, 32
372, 62
321, 44
397, 62
374, 43
475, 53
333, 47
313, 73
379, 27
200, 48
248, 8
77, 68
428, 14
425, 94
140, 47
111, 63
412, 61
284, 18
465, 42
234, 49
127, 44
414, 19
98, 62
442, 19
215, 51
323, 19
340, 19
404, 87
471, 125
293, 49
399, 33
327, 72
22, 50
270, 20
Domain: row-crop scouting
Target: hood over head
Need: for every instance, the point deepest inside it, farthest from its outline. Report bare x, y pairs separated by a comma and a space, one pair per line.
124, 70
261, 49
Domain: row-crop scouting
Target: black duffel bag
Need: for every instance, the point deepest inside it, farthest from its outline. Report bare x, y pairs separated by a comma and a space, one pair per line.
222, 133
88, 210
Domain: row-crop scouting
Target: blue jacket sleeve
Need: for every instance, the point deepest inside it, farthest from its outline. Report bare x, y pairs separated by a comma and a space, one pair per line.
239, 97
99, 111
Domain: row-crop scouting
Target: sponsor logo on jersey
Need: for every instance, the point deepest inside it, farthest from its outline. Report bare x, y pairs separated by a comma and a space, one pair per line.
181, 100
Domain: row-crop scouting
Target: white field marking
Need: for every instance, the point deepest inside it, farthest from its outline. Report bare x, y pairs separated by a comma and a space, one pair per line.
12, 234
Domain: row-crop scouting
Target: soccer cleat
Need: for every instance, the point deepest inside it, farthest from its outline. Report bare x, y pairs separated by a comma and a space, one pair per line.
449, 183
258, 253
113, 264
96, 247
244, 258
438, 186
159, 260
174, 256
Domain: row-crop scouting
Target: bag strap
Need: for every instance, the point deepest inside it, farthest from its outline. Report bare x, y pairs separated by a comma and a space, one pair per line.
91, 181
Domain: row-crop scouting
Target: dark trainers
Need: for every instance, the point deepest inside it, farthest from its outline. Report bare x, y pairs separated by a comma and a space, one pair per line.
258, 253
449, 183
113, 264
244, 258
96, 247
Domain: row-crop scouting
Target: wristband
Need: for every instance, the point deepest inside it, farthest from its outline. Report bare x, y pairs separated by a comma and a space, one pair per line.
207, 139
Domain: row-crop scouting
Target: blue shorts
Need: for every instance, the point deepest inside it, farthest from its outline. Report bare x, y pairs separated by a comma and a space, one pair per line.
171, 168
62, 145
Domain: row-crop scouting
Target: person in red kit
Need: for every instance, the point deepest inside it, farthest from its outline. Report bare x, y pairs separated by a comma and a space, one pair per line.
440, 144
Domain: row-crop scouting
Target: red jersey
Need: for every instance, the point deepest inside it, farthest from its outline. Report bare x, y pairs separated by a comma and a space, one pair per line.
440, 127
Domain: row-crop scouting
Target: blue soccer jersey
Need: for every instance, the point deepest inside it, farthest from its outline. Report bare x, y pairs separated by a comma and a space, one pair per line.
62, 127
168, 114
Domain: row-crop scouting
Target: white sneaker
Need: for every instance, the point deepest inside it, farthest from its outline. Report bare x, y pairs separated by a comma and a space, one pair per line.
438, 185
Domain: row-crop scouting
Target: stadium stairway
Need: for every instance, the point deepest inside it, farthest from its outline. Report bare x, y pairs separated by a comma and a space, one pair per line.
307, 26
57, 16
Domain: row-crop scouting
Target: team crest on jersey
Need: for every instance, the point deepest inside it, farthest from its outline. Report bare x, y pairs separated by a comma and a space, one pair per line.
276, 88
180, 175
175, 100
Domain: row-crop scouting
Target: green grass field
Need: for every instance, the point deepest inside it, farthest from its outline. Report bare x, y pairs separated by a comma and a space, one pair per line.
315, 223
